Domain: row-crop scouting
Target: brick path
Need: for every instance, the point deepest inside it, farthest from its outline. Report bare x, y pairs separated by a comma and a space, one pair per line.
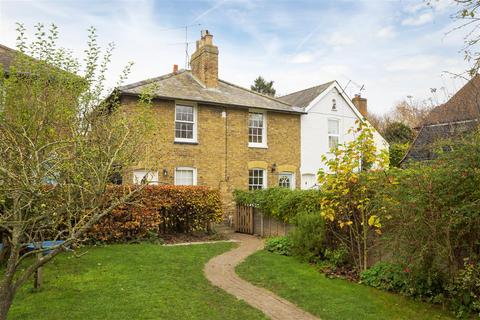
221, 272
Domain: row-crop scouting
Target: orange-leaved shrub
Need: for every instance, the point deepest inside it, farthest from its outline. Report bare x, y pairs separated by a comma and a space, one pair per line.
157, 210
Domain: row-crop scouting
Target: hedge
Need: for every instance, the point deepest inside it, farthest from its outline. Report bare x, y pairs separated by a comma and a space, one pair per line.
281, 203
158, 210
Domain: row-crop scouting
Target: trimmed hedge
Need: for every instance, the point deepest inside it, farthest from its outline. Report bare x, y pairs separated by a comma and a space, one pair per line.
281, 203
158, 210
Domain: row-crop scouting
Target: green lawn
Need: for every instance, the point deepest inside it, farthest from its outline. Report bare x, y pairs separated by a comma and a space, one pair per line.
327, 298
142, 281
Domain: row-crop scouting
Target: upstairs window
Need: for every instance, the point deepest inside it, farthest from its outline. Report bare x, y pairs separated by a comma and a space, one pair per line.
185, 123
257, 179
333, 133
145, 177
257, 130
185, 176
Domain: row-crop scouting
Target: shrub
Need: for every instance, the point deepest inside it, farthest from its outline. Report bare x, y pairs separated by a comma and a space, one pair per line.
158, 210
279, 245
396, 152
464, 291
281, 203
386, 276
395, 278
425, 284
336, 257
435, 215
308, 236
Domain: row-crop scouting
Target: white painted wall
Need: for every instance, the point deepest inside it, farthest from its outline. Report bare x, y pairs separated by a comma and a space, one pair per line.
314, 132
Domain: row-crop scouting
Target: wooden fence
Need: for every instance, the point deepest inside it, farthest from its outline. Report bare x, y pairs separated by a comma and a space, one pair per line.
250, 220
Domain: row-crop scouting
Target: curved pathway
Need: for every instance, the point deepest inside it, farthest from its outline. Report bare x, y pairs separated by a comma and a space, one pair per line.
220, 271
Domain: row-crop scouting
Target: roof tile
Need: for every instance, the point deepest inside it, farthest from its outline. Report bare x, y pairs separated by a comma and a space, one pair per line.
302, 98
184, 86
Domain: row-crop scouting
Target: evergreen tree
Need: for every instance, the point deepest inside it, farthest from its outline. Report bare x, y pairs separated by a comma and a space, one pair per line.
264, 87
398, 132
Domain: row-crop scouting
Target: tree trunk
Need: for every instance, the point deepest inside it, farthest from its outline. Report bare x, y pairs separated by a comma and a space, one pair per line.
365, 243
38, 281
6, 299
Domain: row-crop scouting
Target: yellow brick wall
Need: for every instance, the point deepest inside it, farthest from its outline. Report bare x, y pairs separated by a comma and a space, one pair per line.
222, 155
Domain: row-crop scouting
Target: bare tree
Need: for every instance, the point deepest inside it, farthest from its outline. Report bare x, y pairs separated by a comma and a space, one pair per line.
467, 20
409, 113
60, 143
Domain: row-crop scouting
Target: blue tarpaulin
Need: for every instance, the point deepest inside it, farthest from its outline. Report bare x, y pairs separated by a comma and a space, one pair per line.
45, 245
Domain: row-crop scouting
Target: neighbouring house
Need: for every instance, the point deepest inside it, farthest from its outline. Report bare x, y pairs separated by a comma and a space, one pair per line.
6, 57
215, 133
328, 115
458, 116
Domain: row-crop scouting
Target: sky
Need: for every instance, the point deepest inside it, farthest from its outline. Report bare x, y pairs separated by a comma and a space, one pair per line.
393, 49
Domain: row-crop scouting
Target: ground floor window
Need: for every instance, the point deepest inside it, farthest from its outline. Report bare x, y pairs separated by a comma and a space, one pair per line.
145, 177
185, 176
286, 180
257, 179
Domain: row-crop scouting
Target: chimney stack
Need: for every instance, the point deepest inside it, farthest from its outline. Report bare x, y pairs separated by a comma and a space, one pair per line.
204, 61
361, 104
175, 68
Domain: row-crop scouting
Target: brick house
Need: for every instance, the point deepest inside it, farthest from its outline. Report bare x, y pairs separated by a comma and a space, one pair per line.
215, 133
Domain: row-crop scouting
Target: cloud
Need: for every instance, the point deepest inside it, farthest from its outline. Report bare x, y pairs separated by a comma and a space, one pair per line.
208, 11
296, 44
416, 63
386, 33
419, 20
415, 7
339, 39
303, 57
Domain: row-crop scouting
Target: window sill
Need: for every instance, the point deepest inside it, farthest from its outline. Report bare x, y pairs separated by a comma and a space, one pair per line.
185, 142
257, 146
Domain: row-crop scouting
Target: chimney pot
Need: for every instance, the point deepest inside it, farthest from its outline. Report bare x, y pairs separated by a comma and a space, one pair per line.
361, 104
175, 68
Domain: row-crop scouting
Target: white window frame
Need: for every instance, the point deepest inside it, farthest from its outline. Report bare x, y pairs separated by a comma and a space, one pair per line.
265, 184
194, 175
333, 135
153, 174
195, 122
292, 178
263, 144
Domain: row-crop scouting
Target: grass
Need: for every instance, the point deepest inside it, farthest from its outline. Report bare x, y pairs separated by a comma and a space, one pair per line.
328, 298
143, 281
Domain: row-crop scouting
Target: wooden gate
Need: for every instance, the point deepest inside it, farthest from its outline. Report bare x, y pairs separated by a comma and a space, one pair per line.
244, 219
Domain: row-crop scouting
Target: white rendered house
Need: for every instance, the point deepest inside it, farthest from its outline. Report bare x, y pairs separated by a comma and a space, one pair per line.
329, 116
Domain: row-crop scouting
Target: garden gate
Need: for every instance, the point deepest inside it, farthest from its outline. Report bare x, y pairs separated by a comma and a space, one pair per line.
244, 219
